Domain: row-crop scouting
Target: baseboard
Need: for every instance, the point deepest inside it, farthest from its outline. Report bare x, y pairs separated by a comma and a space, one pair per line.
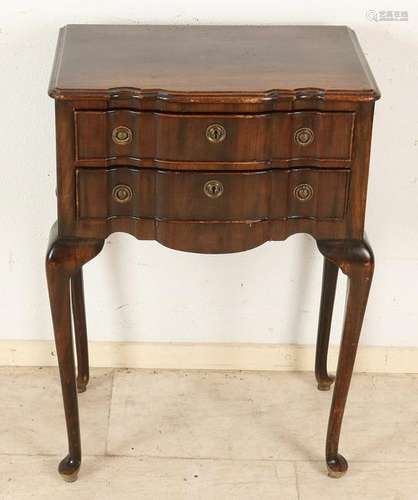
211, 356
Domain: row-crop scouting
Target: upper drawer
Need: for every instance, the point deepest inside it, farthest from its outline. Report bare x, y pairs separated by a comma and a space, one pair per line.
171, 140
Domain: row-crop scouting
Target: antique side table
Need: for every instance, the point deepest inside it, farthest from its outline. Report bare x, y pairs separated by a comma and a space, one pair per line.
211, 140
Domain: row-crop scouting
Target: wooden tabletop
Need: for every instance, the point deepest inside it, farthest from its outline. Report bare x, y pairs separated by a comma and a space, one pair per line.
94, 59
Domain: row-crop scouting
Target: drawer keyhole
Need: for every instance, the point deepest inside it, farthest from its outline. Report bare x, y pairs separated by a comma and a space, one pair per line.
213, 189
215, 133
122, 193
304, 136
303, 192
122, 135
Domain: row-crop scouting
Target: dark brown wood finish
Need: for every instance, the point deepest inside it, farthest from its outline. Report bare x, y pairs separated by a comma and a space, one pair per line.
252, 138
355, 259
212, 140
166, 195
80, 329
177, 63
329, 285
64, 259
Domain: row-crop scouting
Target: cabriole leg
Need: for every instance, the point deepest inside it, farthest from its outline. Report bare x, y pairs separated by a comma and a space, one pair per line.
80, 329
355, 258
63, 259
329, 284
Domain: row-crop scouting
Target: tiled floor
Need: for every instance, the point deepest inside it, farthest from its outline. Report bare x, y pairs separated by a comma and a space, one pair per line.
173, 435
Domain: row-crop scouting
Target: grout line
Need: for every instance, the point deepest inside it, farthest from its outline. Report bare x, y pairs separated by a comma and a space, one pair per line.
295, 467
109, 411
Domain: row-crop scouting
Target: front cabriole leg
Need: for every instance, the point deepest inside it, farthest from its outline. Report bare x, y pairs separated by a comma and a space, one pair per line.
63, 259
355, 259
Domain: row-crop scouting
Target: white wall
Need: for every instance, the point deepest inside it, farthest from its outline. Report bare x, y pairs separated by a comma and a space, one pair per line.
143, 291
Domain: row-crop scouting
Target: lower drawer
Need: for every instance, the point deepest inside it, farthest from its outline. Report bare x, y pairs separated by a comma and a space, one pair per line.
217, 196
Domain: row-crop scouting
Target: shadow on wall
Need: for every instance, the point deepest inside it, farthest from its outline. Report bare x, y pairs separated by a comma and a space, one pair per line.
222, 298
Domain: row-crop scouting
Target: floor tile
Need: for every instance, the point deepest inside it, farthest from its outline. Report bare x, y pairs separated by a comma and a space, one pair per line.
229, 415
208, 435
110, 478
259, 415
363, 481
32, 416
381, 419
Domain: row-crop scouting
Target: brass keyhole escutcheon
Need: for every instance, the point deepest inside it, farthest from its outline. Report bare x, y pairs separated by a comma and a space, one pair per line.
213, 189
303, 192
304, 136
122, 135
122, 193
215, 133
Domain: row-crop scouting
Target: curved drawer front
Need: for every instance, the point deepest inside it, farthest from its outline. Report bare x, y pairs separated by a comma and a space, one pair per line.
174, 140
211, 196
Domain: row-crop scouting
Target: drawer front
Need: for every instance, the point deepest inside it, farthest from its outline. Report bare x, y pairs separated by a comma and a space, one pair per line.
150, 139
205, 196
211, 196
310, 134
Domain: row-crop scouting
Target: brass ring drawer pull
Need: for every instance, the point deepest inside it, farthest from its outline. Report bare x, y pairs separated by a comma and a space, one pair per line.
122, 193
122, 135
215, 133
304, 136
213, 189
303, 192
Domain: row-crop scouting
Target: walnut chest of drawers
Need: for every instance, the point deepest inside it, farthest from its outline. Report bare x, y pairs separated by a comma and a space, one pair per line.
212, 140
